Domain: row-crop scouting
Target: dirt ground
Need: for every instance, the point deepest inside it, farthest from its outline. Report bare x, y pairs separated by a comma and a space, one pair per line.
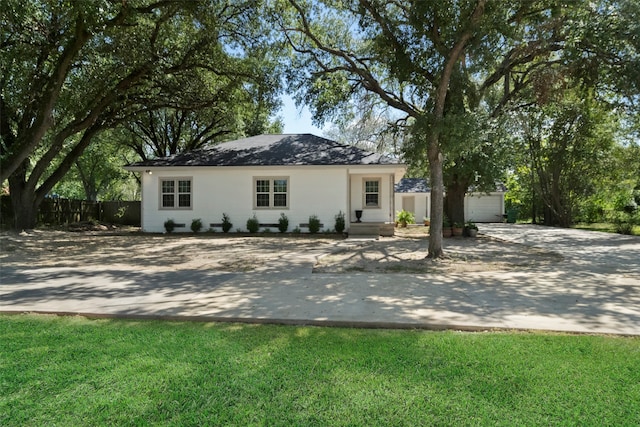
406, 252
129, 249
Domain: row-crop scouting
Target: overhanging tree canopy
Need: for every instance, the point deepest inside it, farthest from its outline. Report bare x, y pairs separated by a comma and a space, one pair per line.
407, 53
72, 69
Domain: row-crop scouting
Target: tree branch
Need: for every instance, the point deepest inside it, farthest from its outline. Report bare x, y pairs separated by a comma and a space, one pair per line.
351, 64
37, 117
453, 57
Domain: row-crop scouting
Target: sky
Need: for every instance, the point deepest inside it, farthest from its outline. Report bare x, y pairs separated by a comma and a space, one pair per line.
296, 120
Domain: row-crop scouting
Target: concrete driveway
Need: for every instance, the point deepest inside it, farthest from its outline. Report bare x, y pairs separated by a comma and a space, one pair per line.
596, 289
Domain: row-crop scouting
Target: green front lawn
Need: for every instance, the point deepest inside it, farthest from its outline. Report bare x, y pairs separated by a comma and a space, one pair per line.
75, 371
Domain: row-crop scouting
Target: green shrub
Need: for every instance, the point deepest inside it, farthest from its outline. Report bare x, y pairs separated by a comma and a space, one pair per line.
340, 223
296, 230
283, 223
314, 224
623, 220
169, 225
405, 217
624, 228
196, 225
253, 225
226, 224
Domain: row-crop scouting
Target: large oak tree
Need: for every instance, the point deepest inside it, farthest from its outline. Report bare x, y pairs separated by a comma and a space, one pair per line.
419, 57
69, 70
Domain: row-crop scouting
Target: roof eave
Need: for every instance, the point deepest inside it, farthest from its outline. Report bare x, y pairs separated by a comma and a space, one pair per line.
138, 168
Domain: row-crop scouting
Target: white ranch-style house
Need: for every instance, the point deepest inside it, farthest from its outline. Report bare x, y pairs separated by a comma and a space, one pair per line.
296, 174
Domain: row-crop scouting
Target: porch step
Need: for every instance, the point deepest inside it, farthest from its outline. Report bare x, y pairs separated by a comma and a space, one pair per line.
371, 229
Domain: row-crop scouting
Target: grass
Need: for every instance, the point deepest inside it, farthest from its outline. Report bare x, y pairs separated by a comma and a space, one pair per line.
76, 371
606, 227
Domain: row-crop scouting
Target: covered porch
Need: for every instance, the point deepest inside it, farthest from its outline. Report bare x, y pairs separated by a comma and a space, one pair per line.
371, 201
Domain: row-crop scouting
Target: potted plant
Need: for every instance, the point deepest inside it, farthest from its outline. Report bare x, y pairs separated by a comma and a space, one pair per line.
427, 221
446, 227
457, 229
471, 229
405, 218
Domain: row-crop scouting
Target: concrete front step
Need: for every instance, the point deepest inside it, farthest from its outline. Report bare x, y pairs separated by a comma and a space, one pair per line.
371, 229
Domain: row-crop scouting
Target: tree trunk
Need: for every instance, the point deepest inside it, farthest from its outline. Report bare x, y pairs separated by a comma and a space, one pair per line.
437, 193
549, 219
23, 200
454, 206
434, 151
91, 193
89, 186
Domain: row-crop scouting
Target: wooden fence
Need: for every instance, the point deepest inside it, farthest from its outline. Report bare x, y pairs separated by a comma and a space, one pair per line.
118, 212
65, 211
58, 211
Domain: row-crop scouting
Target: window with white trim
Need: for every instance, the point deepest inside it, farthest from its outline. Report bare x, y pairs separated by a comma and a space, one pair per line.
175, 193
271, 193
372, 193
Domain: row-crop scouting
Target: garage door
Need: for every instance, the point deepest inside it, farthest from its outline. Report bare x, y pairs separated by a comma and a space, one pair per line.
484, 208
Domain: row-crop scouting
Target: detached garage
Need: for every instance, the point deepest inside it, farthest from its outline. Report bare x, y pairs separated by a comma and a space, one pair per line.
483, 207
414, 195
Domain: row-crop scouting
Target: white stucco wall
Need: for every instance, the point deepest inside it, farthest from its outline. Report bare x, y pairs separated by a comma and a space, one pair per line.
421, 204
479, 207
317, 191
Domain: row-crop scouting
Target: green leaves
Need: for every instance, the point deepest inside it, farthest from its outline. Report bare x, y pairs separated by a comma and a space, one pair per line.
70, 70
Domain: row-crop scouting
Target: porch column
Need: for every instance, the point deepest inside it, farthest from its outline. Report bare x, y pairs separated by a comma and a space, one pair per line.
392, 197
347, 214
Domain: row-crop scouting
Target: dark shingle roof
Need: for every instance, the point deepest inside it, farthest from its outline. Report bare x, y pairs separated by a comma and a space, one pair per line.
412, 185
500, 188
420, 185
273, 150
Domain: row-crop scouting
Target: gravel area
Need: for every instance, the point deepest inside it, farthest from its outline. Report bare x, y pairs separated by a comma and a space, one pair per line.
129, 249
